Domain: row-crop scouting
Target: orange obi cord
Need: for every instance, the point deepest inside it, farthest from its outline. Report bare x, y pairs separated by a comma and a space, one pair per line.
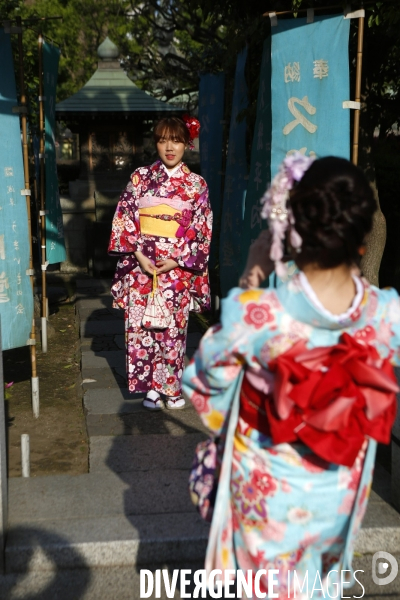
161, 220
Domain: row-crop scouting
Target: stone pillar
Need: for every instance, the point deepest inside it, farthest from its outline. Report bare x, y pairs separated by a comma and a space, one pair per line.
3, 468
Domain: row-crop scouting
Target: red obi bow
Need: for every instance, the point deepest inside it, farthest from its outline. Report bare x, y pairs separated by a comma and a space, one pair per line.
332, 398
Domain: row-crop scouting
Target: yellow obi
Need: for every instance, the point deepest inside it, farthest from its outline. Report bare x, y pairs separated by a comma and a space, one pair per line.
155, 224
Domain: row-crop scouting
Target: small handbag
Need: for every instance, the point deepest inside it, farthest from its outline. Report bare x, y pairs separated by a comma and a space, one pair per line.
157, 314
209, 458
203, 479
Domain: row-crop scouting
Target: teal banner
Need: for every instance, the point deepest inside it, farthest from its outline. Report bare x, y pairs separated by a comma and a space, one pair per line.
16, 298
55, 245
260, 167
211, 115
235, 184
310, 82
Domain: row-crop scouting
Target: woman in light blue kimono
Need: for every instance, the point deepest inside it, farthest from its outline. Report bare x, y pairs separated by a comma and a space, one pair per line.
312, 363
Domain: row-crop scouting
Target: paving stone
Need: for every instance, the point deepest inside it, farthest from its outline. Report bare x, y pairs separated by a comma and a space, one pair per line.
93, 303
110, 401
103, 359
143, 422
103, 379
92, 328
100, 314
123, 582
107, 542
143, 453
99, 343
119, 583
98, 495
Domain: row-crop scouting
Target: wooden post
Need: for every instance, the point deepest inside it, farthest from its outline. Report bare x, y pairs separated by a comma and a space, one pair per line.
42, 199
356, 129
25, 455
24, 110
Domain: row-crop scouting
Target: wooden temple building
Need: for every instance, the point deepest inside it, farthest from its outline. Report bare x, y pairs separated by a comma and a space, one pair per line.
113, 119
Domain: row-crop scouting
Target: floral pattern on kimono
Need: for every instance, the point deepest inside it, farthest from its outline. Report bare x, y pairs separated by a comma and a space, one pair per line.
288, 509
155, 358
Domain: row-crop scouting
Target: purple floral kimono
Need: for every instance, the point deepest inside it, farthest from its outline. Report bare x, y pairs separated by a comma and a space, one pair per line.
163, 214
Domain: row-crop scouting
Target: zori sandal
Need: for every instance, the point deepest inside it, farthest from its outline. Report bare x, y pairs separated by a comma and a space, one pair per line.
175, 402
153, 401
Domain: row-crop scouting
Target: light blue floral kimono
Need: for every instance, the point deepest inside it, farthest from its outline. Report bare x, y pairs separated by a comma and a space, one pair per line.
280, 507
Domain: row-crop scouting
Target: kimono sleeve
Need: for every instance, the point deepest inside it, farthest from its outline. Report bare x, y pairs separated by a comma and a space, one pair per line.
194, 250
125, 232
210, 379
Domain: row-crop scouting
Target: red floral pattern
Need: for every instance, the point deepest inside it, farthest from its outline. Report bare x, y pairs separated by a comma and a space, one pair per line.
258, 315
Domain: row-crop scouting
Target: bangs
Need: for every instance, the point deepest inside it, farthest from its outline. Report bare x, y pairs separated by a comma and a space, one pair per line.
173, 129
169, 133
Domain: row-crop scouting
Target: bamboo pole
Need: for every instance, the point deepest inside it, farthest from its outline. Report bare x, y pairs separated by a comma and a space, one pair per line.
298, 10
24, 110
356, 127
314, 8
42, 198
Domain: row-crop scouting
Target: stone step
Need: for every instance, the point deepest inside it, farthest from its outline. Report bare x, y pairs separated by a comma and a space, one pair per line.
102, 519
113, 541
93, 287
103, 342
90, 329
107, 519
123, 583
104, 379
100, 314
103, 359
114, 411
94, 303
151, 452
98, 495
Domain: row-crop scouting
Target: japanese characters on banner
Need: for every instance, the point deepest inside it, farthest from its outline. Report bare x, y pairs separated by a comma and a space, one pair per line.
211, 114
55, 246
260, 167
235, 184
310, 82
16, 299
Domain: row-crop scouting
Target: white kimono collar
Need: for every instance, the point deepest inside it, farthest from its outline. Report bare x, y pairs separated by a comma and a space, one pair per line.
171, 172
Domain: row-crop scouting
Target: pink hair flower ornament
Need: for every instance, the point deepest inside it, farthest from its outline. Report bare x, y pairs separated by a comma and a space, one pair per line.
193, 126
276, 210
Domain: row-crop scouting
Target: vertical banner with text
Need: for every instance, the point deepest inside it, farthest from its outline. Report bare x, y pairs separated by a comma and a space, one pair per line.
235, 184
16, 299
260, 167
55, 245
211, 115
310, 82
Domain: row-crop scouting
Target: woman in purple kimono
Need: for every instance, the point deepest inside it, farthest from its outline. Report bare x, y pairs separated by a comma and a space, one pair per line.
162, 223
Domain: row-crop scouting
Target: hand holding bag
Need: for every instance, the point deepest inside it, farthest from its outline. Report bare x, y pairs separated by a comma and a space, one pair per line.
156, 314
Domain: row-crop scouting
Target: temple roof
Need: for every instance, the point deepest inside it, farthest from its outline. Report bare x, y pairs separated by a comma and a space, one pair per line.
111, 90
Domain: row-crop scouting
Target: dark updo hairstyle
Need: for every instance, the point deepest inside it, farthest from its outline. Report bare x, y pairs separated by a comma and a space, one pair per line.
171, 128
333, 207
